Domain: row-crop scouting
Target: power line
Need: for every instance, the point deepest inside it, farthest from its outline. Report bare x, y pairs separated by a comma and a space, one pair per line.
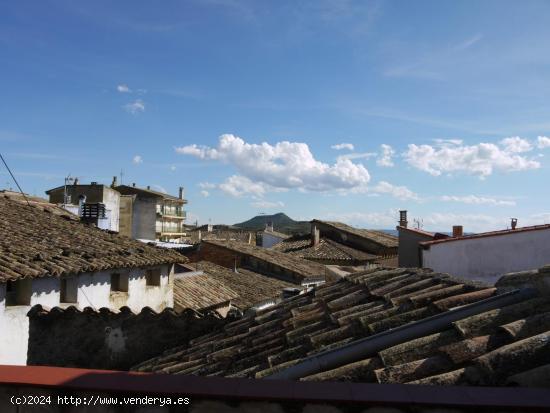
14, 180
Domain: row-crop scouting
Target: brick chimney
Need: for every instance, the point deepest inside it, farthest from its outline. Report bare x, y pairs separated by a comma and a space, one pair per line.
403, 219
514, 223
458, 231
181, 192
315, 235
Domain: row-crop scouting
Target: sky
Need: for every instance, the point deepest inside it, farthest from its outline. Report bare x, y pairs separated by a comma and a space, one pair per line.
338, 110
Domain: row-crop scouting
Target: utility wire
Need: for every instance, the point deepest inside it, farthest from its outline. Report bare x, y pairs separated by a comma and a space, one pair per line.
15, 180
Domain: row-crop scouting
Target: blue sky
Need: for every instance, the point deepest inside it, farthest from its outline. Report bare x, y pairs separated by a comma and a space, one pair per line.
329, 109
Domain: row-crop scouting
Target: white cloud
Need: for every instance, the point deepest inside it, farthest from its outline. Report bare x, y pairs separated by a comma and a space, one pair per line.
481, 159
386, 156
205, 193
137, 159
285, 165
477, 200
399, 192
173, 167
207, 185
543, 142
135, 107
267, 204
516, 144
341, 146
443, 142
238, 185
365, 155
123, 88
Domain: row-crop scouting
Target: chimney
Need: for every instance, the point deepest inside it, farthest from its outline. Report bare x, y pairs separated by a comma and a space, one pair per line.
315, 235
457, 231
148, 187
269, 226
75, 181
93, 183
181, 192
114, 183
403, 219
133, 185
514, 223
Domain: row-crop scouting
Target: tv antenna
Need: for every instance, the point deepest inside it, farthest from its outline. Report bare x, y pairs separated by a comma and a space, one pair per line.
418, 223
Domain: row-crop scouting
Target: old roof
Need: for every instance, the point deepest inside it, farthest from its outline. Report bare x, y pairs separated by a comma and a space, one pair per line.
488, 234
199, 291
277, 234
130, 190
380, 237
327, 249
40, 203
297, 265
509, 344
249, 288
44, 240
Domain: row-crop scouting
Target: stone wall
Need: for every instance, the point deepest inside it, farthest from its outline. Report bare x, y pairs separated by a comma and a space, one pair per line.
108, 340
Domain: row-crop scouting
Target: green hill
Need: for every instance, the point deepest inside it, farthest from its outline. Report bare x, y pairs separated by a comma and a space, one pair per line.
281, 223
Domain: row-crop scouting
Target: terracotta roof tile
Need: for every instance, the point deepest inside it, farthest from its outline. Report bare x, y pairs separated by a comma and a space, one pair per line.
40, 240
379, 237
489, 348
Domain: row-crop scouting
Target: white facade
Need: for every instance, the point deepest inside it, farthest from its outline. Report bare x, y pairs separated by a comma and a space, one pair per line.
486, 258
93, 290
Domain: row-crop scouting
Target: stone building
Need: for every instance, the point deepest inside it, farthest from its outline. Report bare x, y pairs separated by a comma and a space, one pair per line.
94, 203
49, 257
151, 215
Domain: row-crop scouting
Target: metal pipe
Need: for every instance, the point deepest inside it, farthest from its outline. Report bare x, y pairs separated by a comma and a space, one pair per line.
369, 346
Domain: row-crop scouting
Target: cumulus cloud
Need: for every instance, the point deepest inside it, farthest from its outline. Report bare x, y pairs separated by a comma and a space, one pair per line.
543, 142
205, 193
516, 144
123, 88
238, 185
386, 156
137, 159
207, 185
340, 146
267, 204
482, 159
285, 165
135, 107
365, 155
399, 192
477, 200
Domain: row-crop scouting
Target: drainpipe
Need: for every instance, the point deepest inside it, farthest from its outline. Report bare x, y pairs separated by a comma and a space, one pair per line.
369, 346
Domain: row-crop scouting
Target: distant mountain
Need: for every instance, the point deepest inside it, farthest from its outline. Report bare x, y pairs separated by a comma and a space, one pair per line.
281, 223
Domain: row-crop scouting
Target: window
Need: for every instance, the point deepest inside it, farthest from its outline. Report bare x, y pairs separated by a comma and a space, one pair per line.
119, 282
152, 277
18, 292
68, 290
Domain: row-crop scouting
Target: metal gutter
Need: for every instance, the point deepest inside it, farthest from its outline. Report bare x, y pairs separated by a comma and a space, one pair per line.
369, 346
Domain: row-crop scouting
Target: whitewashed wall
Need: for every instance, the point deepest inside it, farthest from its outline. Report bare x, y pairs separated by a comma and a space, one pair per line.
487, 258
94, 290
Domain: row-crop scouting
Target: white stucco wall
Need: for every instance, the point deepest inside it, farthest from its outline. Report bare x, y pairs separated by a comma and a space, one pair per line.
487, 258
111, 199
94, 290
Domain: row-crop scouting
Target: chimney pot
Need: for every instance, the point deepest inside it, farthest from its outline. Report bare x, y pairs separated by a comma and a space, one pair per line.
134, 184
403, 219
514, 223
114, 183
315, 235
458, 231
